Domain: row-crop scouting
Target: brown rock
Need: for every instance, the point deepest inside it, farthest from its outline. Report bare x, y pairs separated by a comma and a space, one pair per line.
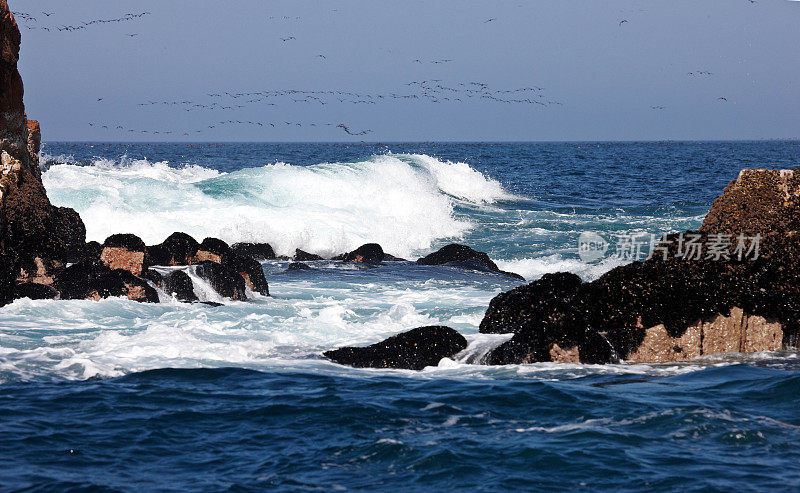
121, 258
570, 355
758, 201
124, 251
30, 227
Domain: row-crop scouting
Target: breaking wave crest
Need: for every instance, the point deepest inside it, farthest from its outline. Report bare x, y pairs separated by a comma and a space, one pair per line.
403, 202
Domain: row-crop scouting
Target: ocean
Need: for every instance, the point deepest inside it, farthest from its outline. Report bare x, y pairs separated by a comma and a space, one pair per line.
121, 396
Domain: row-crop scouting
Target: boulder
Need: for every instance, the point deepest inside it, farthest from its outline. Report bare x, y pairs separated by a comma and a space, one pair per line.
301, 256
295, 266
223, 279
177, 249
35, 291
179, 285
464, 257
94, 280
252, 272
258, 251
124, 251
212, 249
411, 350
371, 253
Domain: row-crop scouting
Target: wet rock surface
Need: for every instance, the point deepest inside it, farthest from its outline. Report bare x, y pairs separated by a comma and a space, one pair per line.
464, 257
179, 285
301, 256
411, 350
257, 251
672, 308
124, 251
94, 280
223, 279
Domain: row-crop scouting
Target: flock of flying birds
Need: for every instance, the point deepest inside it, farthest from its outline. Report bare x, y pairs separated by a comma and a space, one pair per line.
31, 19
430, 90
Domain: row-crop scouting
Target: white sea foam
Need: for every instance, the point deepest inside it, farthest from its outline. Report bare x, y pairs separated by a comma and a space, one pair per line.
534, 268
403, 202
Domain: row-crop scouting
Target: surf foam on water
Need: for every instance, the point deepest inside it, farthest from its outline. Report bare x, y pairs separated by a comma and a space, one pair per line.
403, 202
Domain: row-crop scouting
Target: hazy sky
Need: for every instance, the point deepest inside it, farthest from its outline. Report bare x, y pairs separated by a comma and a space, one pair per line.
606, 76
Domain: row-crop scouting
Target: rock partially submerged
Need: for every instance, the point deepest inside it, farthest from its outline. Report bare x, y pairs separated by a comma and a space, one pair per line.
464, 257
412, 350
258, 251
672, 308
301, 256
179, 285
124, 251
94, 280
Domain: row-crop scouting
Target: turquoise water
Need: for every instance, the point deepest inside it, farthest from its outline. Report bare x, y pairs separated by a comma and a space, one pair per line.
124, 396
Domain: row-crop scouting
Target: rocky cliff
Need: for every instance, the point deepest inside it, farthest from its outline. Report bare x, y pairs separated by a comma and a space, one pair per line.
35, 236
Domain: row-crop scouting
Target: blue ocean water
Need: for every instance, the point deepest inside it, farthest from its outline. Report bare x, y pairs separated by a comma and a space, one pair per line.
120, 396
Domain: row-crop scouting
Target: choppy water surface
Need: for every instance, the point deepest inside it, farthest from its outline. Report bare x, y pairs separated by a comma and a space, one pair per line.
120, 395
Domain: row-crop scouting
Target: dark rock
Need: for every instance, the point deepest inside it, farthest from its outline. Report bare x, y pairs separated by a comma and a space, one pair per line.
224, 279
213, 249
35, 291
371, 253
179, 285
86, 251
458, 253
154, 277
129, 242
177, 249
297, 266
252, 272
8, 275
124, 251
301, 256
413, 350
525, 307
210, 303
258, 251
95, 280
464, 257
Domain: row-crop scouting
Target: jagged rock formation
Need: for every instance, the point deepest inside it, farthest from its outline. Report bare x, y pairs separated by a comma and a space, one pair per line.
673, 307
35, 236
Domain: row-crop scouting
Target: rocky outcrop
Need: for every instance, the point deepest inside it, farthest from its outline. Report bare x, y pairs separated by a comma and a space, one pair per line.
371, 253
35, 236
412, 350
180, 249
94, 280
257, 251
179, 285
124, 251
301, 256
758, 201
464, 257
223, 279
177, 249
672, 307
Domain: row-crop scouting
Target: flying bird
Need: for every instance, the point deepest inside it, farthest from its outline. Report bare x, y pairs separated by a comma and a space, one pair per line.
489, 20
623, 21
722, 99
